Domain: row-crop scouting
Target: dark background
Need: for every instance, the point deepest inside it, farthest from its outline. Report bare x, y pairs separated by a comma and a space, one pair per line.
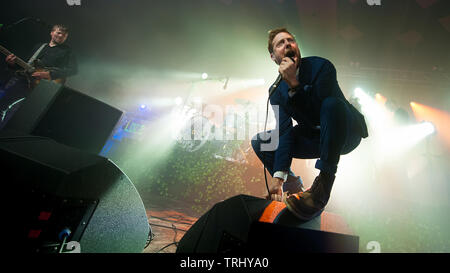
228, 37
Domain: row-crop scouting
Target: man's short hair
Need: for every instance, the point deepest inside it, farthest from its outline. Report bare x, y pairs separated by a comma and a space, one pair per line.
63, 28
273, 33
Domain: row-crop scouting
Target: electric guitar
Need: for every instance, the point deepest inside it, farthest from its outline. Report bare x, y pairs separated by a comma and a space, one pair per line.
29, 69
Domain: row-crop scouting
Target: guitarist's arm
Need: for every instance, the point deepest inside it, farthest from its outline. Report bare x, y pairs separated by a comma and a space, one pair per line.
41, 75
11, 59
55, 73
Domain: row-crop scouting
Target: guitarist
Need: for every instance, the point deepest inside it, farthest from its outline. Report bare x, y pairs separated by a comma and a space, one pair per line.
54, 54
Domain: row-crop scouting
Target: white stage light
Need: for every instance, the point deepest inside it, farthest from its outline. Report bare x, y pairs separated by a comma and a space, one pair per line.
428, 128
178, 100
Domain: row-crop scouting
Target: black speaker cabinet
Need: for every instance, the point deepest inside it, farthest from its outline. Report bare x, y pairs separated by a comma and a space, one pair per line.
246, 224
51, 189
67, 116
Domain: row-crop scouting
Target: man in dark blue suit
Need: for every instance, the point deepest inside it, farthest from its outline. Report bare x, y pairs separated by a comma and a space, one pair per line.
327, 125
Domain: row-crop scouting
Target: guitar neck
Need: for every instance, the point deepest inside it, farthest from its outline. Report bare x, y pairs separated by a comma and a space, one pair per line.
19, 61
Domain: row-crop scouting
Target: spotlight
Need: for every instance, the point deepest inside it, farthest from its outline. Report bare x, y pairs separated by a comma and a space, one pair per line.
377, 115
143, 107
358, 92
380, 98
428, 127
178, 100
439, 118
403, 138
204, 76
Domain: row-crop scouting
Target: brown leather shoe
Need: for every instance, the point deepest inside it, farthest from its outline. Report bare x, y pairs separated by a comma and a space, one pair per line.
309, 204
294, 184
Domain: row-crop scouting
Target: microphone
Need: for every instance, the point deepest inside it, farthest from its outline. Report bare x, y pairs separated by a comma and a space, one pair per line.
34, 20
226, 83
277, 82
8, 27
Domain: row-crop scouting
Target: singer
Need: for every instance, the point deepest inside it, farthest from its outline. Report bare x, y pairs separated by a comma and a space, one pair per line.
327, 125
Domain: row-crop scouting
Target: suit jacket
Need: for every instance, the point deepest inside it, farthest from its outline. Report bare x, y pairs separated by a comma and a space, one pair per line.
317, 77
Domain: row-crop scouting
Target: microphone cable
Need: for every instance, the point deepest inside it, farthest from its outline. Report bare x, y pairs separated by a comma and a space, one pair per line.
271, 91
269, 197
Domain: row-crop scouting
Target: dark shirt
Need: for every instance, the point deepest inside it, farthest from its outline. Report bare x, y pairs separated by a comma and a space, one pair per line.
60, 59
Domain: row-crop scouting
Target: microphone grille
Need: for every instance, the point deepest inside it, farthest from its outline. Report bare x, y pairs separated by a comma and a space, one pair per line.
290, 54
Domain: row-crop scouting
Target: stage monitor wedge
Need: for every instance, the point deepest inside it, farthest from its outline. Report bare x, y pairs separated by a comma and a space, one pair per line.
67, 116
241, 225
50, 188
